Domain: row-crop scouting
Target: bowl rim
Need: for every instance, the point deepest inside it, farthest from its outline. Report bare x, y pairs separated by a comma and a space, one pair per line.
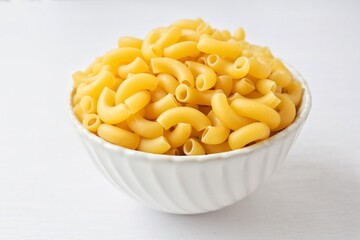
301, 116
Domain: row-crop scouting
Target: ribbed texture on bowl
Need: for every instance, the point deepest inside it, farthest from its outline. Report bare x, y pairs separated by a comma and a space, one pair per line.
190, 185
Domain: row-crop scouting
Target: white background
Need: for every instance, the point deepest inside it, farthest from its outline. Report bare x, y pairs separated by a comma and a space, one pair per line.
49, 188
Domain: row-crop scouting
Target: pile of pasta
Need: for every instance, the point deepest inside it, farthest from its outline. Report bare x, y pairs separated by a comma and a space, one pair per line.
186, 89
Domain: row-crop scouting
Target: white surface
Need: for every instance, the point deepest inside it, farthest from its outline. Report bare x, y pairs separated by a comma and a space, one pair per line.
49, 188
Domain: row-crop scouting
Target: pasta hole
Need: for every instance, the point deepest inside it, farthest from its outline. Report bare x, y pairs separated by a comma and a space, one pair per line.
181, 93
186, 82
188, 146
200, 82
92, 121
212, 60
204, 135
240, 63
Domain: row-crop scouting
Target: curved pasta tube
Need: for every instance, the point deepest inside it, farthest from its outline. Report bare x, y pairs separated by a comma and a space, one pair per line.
188, 23
120, 56
138, 101
226, 114
135, 83
193, 147
157, 145
94, 88
269, 99
168, 37
118, 136
205, 76
109, 113
143, 127
295, 92
236, 70
91, 122
182, 49
216, 134
187, 94
136, 66
153, 110
88, 104
179, 135
259, 68
149, 49
188, 115
265, 85
247, 134
168, 83
287, 111
224, 83
216, 148
244, 86
258, 111
130, 42
239, 34
173, 67
222, 48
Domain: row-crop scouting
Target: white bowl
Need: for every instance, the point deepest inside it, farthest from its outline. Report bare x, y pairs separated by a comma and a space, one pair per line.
193, 184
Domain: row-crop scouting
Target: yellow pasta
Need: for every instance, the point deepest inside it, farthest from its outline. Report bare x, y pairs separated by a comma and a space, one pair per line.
130, 42
205, 76
226, 114
136, 66
193, 147
186, 89
118, 136
135, 83
173, 67
179, 135
248, 134
236, 70
108, 111
188, 115
257, 111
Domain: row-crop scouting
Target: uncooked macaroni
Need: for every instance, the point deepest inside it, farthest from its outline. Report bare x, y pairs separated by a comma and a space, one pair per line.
186, 89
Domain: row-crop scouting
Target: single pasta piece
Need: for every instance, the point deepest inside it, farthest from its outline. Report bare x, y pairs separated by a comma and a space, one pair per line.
264, 86
143, 127
259, 68
136, 66
269, 99
239, 34
119, 56
225, 84
108, 111
189, 115
226, 114
130, 42
91, 122
295, 91
236, 70
287, 111
221, 48
138, 101
216, 148
93, 89
168, 83
182, 49
179, 135
135, 83
205, 76
257, 111
153, 110
88, 104
157, 145
118, 136
169, 36
243, 86
188, 94
173, 67
188, 24
193, 147
247, 134
217, 133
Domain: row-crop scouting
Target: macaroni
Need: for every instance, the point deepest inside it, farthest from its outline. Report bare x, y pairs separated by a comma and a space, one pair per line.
186, 89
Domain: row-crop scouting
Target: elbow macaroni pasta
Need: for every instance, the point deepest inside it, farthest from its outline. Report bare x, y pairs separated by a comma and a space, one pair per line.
186, 89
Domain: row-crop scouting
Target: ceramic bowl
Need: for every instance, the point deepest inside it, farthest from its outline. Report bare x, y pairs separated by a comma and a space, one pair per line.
193, 184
